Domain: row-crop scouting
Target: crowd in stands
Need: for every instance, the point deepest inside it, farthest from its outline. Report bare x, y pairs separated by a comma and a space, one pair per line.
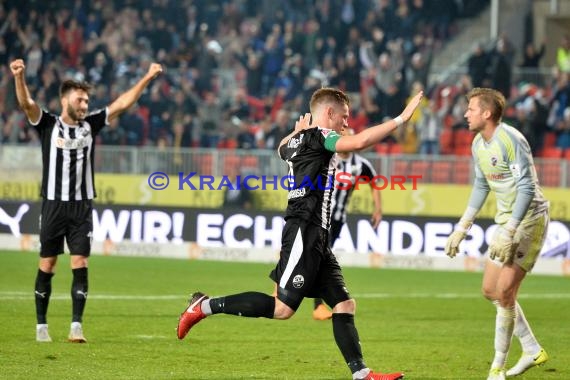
238, 72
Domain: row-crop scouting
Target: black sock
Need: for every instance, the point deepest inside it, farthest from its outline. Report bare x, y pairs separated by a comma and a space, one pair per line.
347, 340
79, 288
42, 294
248, 304
318, 302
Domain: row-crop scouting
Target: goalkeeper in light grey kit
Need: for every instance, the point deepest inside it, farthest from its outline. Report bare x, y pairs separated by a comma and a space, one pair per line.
504, 164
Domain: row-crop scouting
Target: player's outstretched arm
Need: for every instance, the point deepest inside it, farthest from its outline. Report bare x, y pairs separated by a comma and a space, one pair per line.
375, 134
25, 101
128, 98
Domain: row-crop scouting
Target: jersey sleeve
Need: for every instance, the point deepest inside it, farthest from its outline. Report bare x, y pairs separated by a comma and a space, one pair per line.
481, 187
331, 137
98, 119
520, 165
46, 120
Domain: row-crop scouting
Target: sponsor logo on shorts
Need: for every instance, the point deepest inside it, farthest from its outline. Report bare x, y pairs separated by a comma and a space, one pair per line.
298, 281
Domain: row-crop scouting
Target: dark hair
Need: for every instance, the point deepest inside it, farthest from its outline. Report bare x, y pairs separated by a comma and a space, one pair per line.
70, 84
328, 95
489, 99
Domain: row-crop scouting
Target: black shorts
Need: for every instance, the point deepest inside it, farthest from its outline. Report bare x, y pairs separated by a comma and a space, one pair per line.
72, 220
307, 266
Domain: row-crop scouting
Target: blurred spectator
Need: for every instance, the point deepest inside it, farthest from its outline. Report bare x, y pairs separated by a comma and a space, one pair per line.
237, 196
279, 129
563, 54
286, 50
532, 57
408, 137
531, 114
113, 134
563, 131
133, 125
559, 102
245, 137
210, 117
430, 125
477, 65
500, 68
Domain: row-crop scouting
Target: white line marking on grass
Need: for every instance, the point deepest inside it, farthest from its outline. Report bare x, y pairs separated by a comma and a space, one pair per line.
7, 295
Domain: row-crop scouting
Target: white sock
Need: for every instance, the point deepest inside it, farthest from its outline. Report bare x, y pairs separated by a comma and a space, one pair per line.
75, 324
504, 326
522, 331
361, 374
40, 325
205, 306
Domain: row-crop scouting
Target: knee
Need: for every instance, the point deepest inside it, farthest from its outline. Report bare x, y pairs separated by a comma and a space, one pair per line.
506, 297
78, 261
489, 293
282, 311
348, 307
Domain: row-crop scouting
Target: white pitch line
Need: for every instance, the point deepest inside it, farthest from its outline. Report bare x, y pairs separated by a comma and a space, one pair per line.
7, 295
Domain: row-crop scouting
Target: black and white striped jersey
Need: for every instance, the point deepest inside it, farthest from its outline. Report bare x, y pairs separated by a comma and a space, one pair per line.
311, 159
349, 168
67, 155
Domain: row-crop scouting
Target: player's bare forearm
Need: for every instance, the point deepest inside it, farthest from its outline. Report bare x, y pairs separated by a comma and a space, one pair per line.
25, 101
375, 134
366, 138
128, 98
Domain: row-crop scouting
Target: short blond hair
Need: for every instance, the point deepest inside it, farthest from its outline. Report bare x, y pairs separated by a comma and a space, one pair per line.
489, 99
328, 95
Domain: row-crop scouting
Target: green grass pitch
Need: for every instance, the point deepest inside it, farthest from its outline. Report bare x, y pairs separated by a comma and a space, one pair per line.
431, 325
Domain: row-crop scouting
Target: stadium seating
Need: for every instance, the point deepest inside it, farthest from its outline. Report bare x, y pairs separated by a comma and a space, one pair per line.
422, 168
462, 172
382, 148
400, 167
549, 140
441, 172
396, 149
550, 152
446, 141
549, 173
232, 165
462, 150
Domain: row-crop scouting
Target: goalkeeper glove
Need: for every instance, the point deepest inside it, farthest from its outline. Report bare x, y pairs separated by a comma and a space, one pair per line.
456, 237
503, 246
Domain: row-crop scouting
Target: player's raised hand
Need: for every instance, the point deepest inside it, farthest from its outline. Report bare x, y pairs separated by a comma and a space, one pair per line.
154, 70
304, 122
411, 107
17, 67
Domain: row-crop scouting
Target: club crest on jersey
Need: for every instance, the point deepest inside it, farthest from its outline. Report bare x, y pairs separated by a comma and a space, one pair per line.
295, 142
298, 281
494, 160
515, 170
